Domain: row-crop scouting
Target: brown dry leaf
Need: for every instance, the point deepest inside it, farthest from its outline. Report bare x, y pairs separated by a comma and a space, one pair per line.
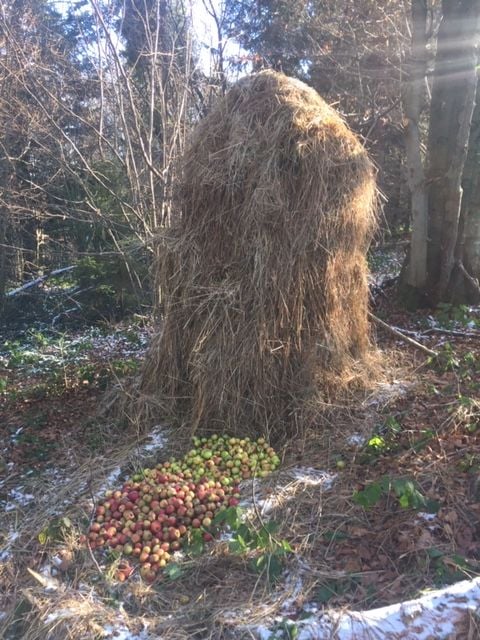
353, 565
364, 552
405, 543
424, 540
358, 532
450, 516
464, 537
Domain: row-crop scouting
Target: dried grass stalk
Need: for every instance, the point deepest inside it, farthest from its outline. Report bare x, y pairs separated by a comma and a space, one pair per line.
263, 274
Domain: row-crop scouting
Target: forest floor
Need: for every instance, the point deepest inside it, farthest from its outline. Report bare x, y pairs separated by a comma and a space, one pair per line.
379, 505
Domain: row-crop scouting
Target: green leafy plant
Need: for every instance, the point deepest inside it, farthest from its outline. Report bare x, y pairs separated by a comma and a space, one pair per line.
174, 571
470, 463
268, 551
56, 530
369, 496
409, 496
469, 369
336, 587
107, 289
405, 490
383, 440
445, 360
285, 630
451, 568
450, 316
426, 436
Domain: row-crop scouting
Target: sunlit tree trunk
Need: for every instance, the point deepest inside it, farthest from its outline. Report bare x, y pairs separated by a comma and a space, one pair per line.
414, 95
453, 90
453, 99
465, 283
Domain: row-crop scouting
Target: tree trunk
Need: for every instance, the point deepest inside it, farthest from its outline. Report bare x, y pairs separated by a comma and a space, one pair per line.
413, 103
453, 99
465, 288
3, 256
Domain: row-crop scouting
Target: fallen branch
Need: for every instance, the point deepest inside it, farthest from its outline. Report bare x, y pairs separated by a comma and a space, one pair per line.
402, 336
447, 332
452, 332
37, 281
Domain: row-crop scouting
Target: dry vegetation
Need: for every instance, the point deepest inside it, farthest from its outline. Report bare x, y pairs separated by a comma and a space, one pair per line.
265, 295
263, 276
345, 555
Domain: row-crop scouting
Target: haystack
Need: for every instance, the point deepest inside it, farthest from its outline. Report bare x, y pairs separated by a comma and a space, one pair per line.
263, 273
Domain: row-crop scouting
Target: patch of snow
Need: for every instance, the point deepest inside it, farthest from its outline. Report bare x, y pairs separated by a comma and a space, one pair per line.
10, 539
310, 476
50, 582
386, 393
46, 578
157, 439
110, 480
14, 436
356, 440
295, 590
18, 499
426, 516
54, 473
436, 614
121, 632
288, 483
429, 518
59, 614
263, 633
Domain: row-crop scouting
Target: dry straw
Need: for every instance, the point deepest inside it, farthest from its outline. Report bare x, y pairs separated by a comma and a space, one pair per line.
263, 273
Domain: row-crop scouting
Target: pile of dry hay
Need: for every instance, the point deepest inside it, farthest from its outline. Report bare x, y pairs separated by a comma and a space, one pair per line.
263, 274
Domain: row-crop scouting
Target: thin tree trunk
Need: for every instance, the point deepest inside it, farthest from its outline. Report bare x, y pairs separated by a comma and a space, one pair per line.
3, 256
453, 99
467, 252
413, 104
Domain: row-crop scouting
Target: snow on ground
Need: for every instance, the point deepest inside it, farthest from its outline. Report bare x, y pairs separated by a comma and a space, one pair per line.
121, 632
110, 481
157, 439
42, 353
434, 615
18, 499
288, 484
10, 538
386, 393
356, 440
437, 614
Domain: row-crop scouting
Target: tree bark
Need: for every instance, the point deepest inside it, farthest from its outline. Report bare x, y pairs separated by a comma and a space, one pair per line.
3, 256
467, 252
453, 99
413, 104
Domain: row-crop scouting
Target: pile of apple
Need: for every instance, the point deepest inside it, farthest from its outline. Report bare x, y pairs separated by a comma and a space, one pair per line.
157, 511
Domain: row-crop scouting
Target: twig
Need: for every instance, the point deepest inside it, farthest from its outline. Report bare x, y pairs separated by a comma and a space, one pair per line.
402, 336
452, 332
470, 279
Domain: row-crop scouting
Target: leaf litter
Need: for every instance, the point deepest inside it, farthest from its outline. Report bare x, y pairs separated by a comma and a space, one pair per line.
346, 556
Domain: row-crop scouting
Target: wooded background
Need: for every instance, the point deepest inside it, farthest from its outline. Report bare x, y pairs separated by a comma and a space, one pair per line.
98, 97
